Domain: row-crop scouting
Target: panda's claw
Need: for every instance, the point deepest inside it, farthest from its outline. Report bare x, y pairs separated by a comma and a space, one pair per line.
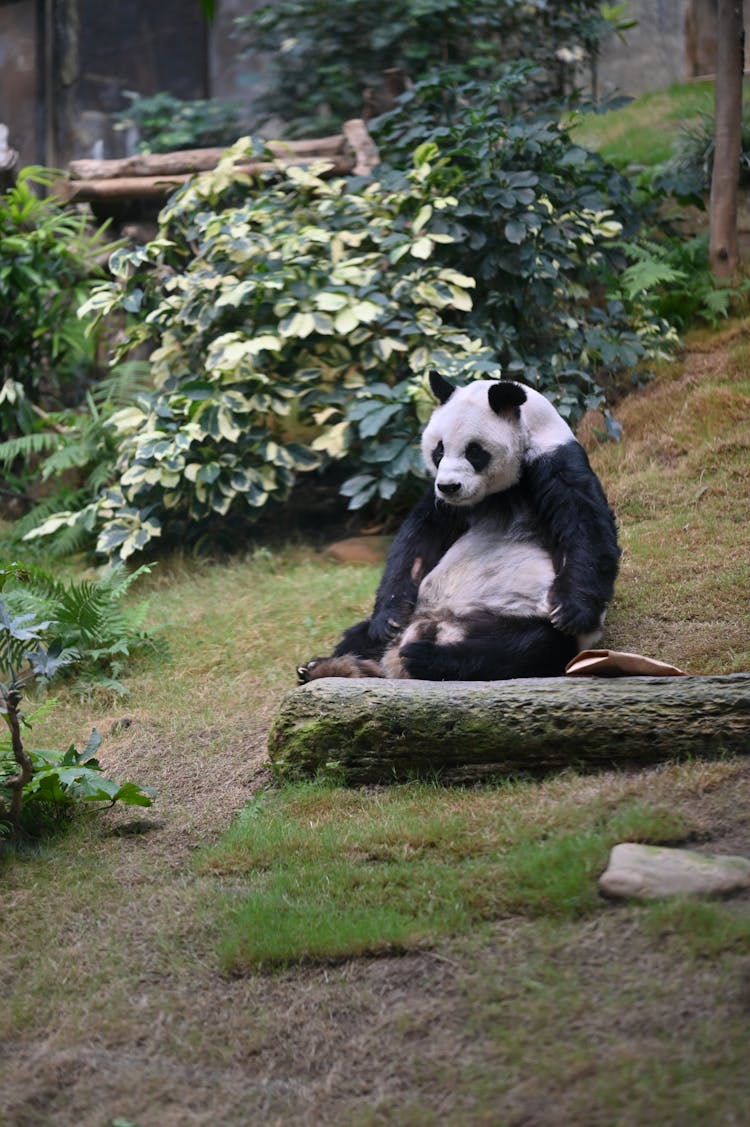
304, 672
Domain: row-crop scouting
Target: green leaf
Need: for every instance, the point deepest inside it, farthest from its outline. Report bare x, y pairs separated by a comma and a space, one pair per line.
515, 232
346, 321
331, 302
425, 153
422, 248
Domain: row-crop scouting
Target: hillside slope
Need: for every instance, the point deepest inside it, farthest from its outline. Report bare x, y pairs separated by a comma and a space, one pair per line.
679, 482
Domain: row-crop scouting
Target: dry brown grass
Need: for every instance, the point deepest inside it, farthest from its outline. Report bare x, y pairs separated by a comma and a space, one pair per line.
680, 484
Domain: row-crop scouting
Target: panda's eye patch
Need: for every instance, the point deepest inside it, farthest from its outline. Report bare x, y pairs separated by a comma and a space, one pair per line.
477, 456
437, 454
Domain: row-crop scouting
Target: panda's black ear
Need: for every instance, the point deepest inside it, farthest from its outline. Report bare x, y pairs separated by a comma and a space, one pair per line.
504, 395
442, 388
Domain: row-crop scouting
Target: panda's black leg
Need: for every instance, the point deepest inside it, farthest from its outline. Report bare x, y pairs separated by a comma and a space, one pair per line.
516, 647
357, 640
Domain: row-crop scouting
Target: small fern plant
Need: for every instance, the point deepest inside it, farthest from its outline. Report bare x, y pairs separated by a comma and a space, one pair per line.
673, 279
73, 453
33, 782
88, 620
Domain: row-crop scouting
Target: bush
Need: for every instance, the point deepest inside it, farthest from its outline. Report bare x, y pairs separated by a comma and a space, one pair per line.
539, 225
328, 56
48, 260
672, 277
85, 627
293, 319
294, 326
166, 124
37, 785
73, 458
693, 156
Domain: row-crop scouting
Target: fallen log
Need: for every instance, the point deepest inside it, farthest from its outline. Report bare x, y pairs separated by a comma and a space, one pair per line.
154, 176
373, 731
366, 154
200, 160
159, 187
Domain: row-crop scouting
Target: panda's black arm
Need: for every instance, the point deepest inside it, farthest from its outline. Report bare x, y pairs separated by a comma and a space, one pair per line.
571, 503
424, 537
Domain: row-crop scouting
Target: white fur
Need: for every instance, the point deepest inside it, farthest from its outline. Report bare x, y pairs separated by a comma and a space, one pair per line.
467, 417
508, 437
546, 429
478, 573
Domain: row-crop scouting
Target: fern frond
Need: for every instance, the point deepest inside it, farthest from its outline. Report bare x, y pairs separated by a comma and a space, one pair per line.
647, 274
119, 579
27, 445
72, 455
100, 477
65, 499
86, 618
124, 382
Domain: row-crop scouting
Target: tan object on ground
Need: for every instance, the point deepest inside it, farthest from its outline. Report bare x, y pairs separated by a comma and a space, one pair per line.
618, 663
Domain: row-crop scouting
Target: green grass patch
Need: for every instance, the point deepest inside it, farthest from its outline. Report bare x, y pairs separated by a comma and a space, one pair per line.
644, 131
321, 872
700, 928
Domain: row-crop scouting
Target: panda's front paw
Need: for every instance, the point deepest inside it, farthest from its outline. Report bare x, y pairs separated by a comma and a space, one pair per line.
574, 618
384, 629
306, 672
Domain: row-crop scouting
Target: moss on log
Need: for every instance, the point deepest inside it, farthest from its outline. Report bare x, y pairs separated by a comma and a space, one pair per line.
374, 731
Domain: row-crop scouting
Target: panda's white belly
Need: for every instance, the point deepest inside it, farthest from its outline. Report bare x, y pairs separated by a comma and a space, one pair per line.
485, 570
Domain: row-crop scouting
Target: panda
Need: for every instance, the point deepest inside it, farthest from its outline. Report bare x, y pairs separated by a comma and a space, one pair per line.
504, 569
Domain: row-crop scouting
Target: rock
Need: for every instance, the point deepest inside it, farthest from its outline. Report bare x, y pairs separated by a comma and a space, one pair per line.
376, 731
650, 872
360, 549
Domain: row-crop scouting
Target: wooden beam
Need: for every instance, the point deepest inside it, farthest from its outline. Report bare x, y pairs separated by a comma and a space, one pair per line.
161, 186
199, 160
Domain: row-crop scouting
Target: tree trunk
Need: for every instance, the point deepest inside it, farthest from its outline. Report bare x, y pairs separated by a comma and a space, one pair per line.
730, 55
373, 731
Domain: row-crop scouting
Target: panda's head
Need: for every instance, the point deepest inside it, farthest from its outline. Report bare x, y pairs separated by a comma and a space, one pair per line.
475, 440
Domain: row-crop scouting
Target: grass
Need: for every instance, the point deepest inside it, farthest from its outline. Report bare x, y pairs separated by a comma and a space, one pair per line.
698, 928
137, 946
329, 874
644, 131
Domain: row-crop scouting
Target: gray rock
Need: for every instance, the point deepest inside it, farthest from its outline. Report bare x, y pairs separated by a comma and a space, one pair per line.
650, 872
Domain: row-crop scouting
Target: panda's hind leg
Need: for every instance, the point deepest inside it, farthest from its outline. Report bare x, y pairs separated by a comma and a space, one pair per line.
347, 665
356, 655
496, 650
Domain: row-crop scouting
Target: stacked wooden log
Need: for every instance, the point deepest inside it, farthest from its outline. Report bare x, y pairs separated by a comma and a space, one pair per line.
151, 177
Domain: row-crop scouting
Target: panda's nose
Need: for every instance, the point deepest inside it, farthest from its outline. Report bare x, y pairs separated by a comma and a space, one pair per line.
448, 488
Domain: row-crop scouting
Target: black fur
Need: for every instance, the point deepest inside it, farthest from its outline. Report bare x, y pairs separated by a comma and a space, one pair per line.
501, 650
581, 535
562, 501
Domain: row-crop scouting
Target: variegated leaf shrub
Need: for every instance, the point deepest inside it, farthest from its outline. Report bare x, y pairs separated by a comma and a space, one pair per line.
292, 324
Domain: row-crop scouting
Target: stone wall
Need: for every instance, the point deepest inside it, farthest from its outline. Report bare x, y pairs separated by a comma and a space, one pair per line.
674, 41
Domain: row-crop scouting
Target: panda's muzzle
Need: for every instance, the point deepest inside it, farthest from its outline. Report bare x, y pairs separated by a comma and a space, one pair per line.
449, 488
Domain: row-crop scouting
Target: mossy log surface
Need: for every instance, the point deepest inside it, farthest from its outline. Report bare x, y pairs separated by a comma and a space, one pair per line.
374, 731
